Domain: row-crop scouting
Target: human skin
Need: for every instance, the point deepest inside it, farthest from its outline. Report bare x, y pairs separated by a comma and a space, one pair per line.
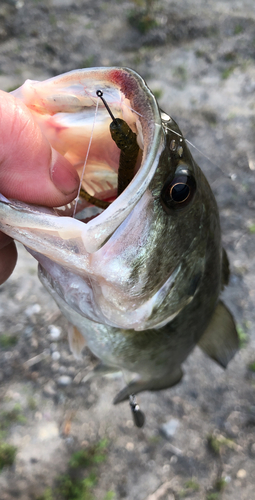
30, 169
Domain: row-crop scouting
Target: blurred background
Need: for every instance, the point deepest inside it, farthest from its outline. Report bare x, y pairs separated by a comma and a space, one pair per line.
60, 437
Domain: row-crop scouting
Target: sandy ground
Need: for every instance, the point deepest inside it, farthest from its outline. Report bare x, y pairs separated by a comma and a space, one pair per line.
199, 59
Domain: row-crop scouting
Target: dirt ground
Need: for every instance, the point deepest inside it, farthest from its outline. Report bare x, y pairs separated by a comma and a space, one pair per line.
199, 59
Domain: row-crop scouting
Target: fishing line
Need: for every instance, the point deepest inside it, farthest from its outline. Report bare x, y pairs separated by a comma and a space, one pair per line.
86, 158
132, 109
92, 98
123, 104
229, 176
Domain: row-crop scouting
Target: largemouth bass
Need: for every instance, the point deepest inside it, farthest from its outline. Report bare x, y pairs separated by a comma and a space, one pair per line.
139, 280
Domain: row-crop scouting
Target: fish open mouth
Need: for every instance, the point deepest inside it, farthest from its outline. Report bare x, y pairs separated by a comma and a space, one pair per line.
77, 123
74, 117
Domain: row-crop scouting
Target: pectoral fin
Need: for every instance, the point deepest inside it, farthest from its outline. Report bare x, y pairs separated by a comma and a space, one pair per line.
76, 341
220, 339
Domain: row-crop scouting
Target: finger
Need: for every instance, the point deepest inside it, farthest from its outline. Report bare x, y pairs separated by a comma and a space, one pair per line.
30, 170
8, 258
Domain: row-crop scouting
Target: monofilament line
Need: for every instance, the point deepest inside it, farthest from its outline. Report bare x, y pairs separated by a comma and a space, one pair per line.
201, 152
86, 158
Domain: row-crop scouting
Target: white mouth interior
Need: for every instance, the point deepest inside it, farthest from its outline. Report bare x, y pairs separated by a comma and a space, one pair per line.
84, 138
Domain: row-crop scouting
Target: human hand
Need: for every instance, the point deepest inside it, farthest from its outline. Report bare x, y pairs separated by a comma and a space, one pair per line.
30, 170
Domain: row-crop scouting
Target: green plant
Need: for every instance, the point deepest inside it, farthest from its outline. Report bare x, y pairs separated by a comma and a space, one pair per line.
213, 496
158, 93
142, 21
110, 495
90, 456
142, 17
180, 72
7, 418
89, 62
243, 337
251, 366
81, 476
71, 488
31, 402
227, 72
192, 485
238, 29
47, 495
7, 454
216, 443
220, 484
7, 340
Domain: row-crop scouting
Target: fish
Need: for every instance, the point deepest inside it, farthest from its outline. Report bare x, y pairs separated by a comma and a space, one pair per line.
139, 278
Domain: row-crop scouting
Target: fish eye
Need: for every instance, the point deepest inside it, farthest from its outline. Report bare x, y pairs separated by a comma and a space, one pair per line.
178, 192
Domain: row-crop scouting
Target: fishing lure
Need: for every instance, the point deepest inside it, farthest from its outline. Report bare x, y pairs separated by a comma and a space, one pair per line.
138, 415
126, 141
93, 200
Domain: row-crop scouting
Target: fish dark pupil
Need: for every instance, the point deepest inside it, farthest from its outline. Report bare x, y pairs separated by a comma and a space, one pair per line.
179, 192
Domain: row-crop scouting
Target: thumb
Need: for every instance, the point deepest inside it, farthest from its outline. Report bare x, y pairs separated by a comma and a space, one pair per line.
30, 169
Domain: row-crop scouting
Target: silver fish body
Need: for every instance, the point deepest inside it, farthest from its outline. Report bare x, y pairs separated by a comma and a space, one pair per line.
140, 281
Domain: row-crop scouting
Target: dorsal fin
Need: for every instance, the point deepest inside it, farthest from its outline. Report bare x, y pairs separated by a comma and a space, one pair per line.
220, 340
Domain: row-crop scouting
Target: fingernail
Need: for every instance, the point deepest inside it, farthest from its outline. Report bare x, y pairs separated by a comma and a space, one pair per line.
63, 175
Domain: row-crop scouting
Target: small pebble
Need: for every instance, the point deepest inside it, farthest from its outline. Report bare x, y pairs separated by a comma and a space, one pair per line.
91, 399
34, 343
62, 369
166, 468
169, 428
38, 415
64, 380
55, 355
241, 474
130, 446
55, 332
55, 366
49, 389
71, 370
53, 346
34, 309
151, 464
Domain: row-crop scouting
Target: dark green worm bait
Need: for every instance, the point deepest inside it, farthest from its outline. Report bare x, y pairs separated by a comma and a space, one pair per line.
126, 141
94, 201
